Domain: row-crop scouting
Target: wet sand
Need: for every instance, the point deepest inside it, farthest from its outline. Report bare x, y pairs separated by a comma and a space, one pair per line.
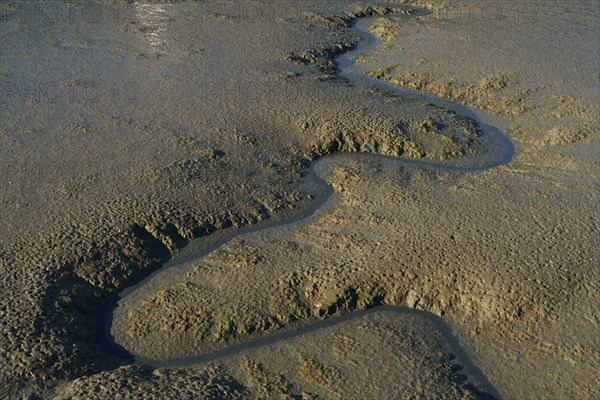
144, 136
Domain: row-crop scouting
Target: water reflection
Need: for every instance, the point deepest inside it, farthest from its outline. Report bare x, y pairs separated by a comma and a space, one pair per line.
153, 20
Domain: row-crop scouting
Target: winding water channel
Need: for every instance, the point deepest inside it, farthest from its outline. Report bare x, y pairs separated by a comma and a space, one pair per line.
499, 150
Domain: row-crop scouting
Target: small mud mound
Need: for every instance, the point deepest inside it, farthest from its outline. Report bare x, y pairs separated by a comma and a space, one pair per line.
431, 138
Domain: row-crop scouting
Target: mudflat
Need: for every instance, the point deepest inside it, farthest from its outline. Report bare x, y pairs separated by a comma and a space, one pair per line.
247, 199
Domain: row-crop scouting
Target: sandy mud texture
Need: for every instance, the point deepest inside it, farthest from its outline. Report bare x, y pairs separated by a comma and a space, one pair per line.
127, 136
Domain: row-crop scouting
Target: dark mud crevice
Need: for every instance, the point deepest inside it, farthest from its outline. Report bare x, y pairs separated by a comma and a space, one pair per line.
157, 249
78, 292
323, 59
79, 298
68, 322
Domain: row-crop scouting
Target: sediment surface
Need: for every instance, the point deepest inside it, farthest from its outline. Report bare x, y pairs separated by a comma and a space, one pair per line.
155, 128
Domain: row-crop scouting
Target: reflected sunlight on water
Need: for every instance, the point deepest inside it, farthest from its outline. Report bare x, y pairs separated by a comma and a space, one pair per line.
153, 16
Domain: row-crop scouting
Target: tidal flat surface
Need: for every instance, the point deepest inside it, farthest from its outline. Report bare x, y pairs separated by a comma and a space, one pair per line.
135, 136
